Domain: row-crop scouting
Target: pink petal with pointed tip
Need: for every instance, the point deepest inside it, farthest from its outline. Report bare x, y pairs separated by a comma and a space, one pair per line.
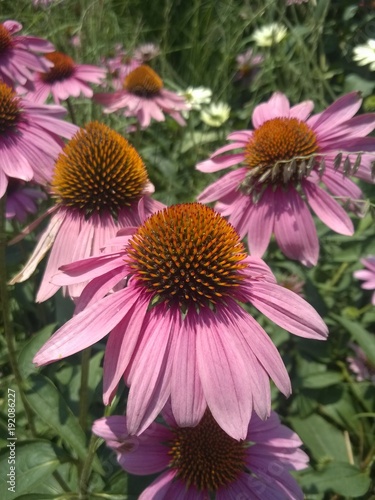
327, 209
221, 369
88, 327
288, 310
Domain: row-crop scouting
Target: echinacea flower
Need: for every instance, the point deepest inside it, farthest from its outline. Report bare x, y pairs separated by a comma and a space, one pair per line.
284, 159
367, 275
18, 59
65, 79
143, 95
360, 365
99, 181
269, 35
177, 330
29, 138
365, 54
146, 52
248, 64
202, 462
216, 114
21, 200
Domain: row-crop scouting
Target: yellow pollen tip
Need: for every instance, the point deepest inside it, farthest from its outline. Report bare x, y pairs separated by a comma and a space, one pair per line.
143, 81
98, 171
187, 254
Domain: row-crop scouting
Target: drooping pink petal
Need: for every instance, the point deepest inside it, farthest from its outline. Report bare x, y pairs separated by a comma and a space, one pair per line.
121, 343
287, 309
221, 368
260, 223
294, 228
189, 404
150, 374
79, 333
327, 209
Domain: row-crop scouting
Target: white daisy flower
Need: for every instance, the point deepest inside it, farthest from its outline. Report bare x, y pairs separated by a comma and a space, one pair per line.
365, 54
270, 34
216, 114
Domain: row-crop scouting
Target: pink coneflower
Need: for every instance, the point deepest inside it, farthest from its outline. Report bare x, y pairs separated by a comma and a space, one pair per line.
248, 64
17, 58
284, 160
22, 200
146, 52
367, 275
177, 330
99, 181
144, 96
203, 462
65, 79
29, 138
360, 365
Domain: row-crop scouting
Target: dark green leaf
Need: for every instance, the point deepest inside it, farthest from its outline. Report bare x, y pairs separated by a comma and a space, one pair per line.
35, 461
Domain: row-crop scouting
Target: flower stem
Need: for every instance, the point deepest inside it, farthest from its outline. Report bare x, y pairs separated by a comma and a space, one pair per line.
83, 391
86, 469
71, 111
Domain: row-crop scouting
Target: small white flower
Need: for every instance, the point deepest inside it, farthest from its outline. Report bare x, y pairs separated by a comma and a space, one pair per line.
269, 34
365, 54
216, 114
196, 96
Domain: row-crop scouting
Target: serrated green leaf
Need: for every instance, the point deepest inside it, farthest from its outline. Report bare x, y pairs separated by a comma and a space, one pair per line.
49, 405
25, 359
339, 477
35, 461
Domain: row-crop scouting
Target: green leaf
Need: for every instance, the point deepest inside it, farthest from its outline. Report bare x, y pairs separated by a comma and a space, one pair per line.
363, 338
324, 441
49, 405
340, 477
29, 350
319, 380
35, 461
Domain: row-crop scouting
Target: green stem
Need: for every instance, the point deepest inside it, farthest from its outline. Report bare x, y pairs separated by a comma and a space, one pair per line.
337, 275
86, 470
71, 111
83, 391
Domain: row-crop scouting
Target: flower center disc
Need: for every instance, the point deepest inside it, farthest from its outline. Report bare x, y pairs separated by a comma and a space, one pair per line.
10, 111
98, 171
205, 456
63, 68
187, 255
278, 148
5, 39
143, 81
